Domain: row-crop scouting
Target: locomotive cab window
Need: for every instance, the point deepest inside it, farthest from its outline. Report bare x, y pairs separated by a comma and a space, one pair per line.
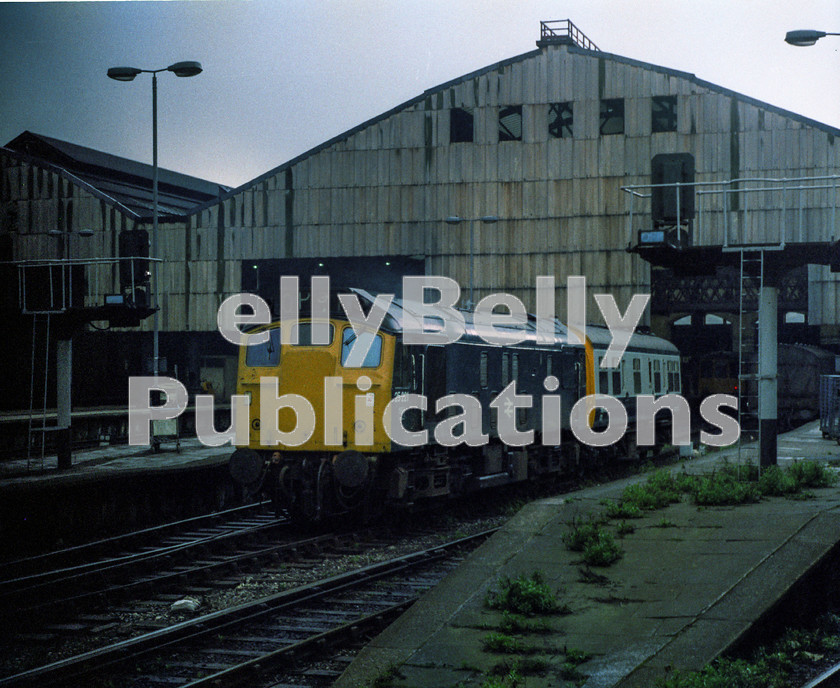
349, 342
304, 332
266, 354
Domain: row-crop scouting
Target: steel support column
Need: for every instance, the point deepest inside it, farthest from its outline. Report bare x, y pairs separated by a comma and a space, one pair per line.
64, 373
767, 374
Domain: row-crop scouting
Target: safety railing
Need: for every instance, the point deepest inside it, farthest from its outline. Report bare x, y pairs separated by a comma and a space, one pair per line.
54, 286
736, 212
562, 30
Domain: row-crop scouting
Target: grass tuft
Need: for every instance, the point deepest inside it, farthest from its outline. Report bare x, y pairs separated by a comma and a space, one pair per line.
527, 595
513, 623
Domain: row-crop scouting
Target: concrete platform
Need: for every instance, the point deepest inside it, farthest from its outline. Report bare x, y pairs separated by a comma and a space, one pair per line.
680, 596
94, 464
108, 490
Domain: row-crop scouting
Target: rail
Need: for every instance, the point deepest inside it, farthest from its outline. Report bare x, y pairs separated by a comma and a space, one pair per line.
744, 211
220, 626
563, 31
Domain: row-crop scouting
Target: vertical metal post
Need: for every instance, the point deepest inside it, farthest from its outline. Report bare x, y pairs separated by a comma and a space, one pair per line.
64, 367
472, 229
156, 301
767, 383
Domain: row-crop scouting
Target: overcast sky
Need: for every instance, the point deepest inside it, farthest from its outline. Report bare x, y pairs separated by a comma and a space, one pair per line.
282, 76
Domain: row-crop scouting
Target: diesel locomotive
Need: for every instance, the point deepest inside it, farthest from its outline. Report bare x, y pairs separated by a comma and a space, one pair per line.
408, 423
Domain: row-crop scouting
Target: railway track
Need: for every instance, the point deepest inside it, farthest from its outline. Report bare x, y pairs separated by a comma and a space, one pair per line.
49, 584
111, 546
261, 638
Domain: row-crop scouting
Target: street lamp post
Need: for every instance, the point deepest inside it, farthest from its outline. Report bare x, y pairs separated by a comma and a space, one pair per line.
805, 37
183, 69
485, 219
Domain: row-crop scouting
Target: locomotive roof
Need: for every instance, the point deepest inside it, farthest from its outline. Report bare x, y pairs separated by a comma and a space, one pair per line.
402, 313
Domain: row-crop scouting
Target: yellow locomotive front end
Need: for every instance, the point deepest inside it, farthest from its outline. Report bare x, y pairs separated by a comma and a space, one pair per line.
316, 408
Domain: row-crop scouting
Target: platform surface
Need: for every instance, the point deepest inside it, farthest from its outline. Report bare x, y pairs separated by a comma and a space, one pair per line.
690, 583
100, 463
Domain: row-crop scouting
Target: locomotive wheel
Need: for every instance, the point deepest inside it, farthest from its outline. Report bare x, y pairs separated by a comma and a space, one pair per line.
350, 469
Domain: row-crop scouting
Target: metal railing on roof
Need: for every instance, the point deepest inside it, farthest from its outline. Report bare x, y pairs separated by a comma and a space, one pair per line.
562, 30
750, 210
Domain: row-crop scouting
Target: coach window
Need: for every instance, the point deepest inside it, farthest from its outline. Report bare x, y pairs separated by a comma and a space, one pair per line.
657, 378
612, 116
675, 372
603, 378
264, 355
663, 113
637, 376
616, 379
510, 123
505, 368
374, 353
482, 370
514, 373
461, 125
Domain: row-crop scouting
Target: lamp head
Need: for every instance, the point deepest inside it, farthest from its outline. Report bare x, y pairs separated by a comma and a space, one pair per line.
185, 68
123, 73
804, 37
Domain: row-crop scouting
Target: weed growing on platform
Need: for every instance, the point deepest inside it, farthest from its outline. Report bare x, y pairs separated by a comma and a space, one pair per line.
526, 595
576, 657
812, 474
513, 623
521, 667
602, 551
502, 643
597, 545
386, 678
510, 679
722, 489
621, 510
580, 534
660, 490
774, 482
770, 667
625, 528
